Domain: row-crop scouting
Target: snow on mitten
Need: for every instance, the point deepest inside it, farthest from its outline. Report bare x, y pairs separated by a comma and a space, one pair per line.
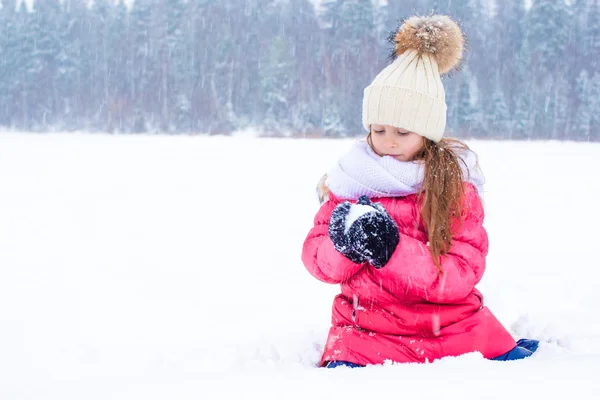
337, 232
372, 233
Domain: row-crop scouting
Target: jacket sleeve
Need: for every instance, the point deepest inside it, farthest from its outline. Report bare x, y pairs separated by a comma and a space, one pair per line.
319, 256
411, 269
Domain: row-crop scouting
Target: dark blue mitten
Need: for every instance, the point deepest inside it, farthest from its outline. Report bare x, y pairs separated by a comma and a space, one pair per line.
374, 234
338, 234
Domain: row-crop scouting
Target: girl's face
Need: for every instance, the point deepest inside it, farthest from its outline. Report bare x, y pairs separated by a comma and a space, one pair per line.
399, 143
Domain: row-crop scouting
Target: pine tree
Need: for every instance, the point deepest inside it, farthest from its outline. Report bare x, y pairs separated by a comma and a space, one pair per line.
74, 113
256, 56
581, 125
348, 59
523, 121
120, 57
26, 67
304, 35
498, 117
579, 47
594, 106
275, 83
164, 39
235, 67
465, 111
561, 116
592, 37
333, 122
523, 96
178, 104
506, 50
549, 33
100, 62
452, 88
47, 25
202, 48
11, 53
477, 126
143, 60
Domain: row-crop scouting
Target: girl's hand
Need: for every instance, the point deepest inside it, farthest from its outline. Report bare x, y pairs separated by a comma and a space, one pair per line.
337, 232
363, 232
374, 235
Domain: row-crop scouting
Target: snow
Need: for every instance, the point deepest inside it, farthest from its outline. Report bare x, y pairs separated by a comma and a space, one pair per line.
153, 267
356, 211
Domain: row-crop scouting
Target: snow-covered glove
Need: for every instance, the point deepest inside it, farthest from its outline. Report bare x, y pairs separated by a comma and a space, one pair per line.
338, 232
369, 233
373, 234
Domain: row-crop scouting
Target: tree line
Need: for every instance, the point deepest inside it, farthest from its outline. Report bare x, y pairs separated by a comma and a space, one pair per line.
286, 68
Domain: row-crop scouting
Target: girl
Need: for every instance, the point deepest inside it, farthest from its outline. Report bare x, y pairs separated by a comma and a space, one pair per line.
400, 226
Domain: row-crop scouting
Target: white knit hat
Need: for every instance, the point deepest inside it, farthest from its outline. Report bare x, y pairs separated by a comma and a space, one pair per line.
409, 93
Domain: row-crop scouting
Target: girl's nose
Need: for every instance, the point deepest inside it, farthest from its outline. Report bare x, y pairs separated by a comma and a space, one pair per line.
391, 144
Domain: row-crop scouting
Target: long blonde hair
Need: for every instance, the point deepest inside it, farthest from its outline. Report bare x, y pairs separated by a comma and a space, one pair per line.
442, 193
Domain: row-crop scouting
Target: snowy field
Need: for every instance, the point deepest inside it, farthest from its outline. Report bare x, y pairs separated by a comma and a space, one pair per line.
156, 267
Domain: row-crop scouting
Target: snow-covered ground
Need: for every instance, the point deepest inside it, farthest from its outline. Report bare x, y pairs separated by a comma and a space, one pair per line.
156, 267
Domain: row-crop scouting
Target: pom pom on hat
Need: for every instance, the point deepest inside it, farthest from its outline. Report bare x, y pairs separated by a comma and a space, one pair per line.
437, 35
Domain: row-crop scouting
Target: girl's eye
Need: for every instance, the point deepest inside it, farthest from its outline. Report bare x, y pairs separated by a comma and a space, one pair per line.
402, 133
378, 131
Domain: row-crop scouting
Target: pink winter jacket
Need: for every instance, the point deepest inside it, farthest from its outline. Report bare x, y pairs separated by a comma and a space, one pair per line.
407, 311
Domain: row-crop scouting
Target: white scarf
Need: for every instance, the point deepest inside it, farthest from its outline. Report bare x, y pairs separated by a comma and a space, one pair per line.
362, 172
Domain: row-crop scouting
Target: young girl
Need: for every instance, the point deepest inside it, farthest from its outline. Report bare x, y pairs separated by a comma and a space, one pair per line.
400, 226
